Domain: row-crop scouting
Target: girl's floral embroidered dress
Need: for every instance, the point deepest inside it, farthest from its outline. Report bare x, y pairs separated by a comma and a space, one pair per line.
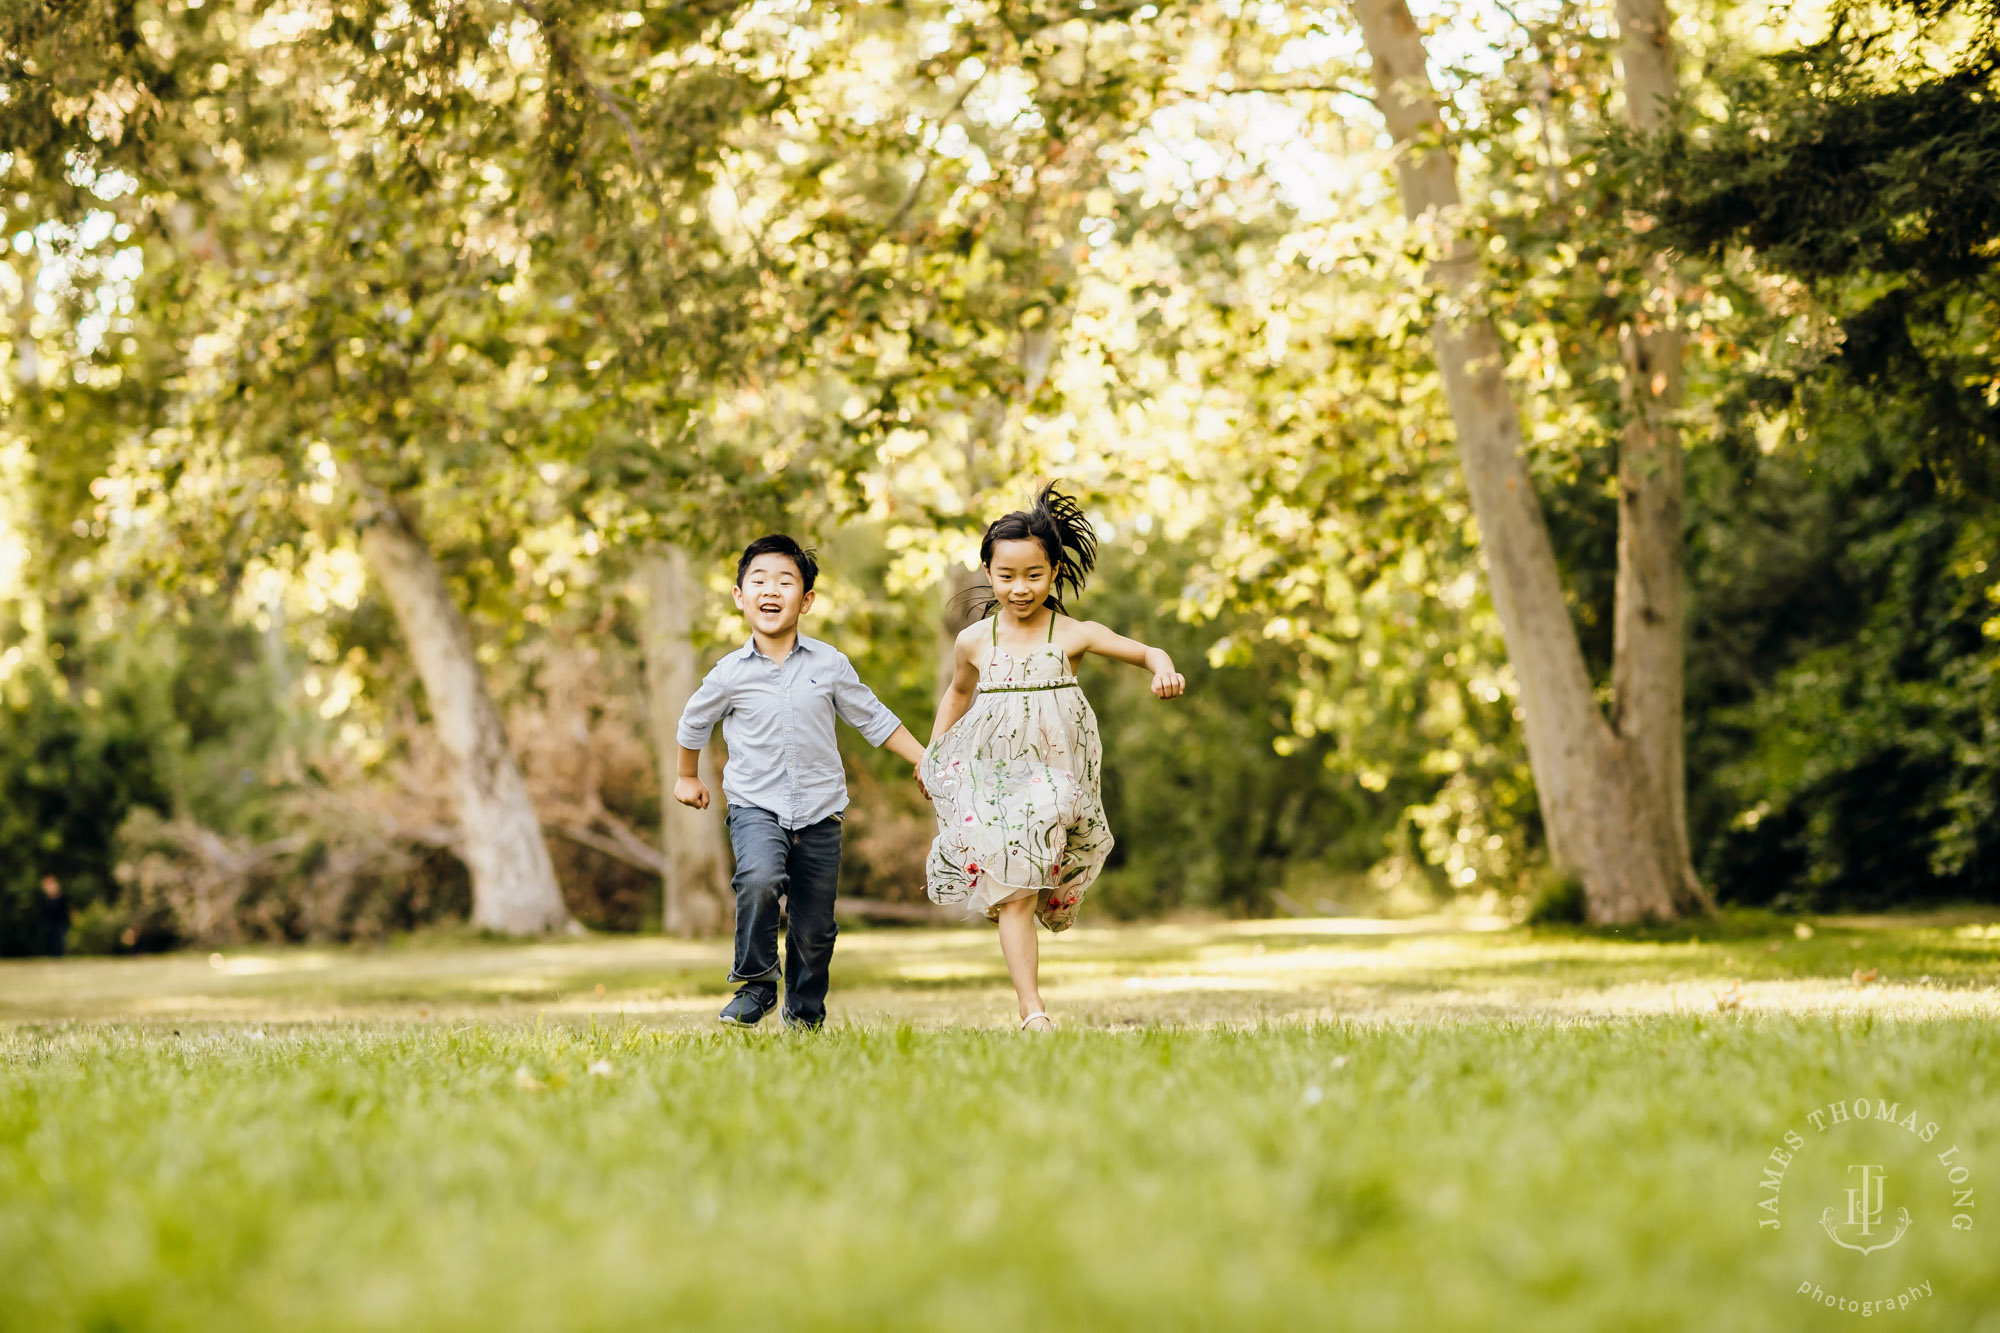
1015, 784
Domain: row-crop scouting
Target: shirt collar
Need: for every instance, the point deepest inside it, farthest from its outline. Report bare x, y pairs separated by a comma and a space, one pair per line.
749, 648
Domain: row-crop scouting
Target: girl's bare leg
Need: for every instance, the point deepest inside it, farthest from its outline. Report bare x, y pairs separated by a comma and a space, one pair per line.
1022, 952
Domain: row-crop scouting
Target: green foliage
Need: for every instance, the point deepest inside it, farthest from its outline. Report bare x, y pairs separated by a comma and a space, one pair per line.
568, 278
1844, 684
1844, 698
172, 719
1561, 901
1213, 797
70, 771
1874, 149
138, 762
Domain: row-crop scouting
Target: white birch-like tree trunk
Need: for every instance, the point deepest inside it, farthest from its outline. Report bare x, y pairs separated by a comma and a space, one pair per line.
514, 887
695, 896
957, 604
1603, 809
1648, 686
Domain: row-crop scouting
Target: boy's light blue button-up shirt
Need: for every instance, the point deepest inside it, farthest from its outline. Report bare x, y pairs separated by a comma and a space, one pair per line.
777, 718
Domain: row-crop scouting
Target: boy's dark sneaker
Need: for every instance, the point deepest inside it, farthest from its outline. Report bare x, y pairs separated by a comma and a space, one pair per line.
748, 1008
797, 1024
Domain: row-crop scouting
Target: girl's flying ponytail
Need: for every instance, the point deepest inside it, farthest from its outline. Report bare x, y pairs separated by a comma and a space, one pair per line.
1057, 522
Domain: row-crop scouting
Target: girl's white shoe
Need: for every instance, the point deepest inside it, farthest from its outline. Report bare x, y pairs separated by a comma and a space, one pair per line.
1048, 1024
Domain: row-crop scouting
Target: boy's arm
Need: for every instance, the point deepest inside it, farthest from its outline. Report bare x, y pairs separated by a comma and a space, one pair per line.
688, 787
857, 706
903, 744
705, 707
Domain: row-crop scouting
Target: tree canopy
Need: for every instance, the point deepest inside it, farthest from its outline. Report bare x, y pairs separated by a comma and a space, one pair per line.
555, 283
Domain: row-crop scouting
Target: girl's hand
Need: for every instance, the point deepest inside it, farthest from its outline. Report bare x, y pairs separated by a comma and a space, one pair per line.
1169, 684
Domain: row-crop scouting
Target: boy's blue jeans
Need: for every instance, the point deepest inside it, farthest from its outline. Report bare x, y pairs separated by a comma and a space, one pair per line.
802, 866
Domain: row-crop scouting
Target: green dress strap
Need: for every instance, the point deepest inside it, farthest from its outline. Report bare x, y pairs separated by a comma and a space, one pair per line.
1052, 626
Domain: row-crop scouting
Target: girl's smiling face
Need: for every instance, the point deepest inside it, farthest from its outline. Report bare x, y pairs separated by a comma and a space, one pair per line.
1022, 575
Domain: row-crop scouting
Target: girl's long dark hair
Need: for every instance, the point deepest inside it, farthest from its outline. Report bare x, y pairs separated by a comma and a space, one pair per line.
1057, 522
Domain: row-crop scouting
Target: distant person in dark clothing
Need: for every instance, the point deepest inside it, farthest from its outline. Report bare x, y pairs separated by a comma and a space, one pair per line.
55, 918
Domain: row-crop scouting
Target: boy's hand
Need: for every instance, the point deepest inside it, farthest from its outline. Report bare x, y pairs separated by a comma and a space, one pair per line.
691, 792
918, 774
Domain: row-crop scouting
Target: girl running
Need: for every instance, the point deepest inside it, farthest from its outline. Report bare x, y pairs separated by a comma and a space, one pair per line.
1014, 761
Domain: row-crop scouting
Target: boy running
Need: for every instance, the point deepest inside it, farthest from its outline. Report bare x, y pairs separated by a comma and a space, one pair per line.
776, 698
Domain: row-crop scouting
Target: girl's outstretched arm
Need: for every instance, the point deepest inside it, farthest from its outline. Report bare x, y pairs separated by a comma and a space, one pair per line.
964, 685
1167, 682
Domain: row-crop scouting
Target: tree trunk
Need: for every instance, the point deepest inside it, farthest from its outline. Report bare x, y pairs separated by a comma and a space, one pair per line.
983, 431
1602, 811
513, 882
1647, 685
695, 898
957, 605
27, 351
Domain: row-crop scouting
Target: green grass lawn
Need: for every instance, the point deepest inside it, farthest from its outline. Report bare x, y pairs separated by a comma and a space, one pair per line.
1258, 1125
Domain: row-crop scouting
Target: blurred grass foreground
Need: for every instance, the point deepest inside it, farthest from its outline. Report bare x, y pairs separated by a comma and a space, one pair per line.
1325, 1124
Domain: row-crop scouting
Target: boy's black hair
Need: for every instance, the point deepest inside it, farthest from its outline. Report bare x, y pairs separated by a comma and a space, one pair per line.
778, 543
1057, 522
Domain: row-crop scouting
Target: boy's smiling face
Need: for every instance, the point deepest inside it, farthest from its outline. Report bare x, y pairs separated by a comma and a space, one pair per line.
772, 596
